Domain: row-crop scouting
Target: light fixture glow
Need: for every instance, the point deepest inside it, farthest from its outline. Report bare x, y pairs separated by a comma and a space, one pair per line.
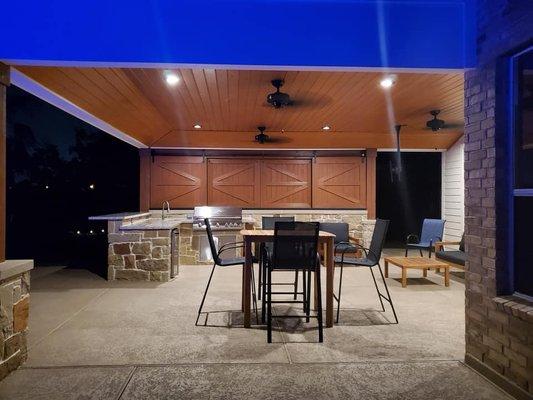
78, 232
197, 126
387, 82
91, 186
171, 78
326, 128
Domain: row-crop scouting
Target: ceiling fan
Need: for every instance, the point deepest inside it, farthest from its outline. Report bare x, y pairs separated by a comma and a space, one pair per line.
263, 138
435, 124
278, 99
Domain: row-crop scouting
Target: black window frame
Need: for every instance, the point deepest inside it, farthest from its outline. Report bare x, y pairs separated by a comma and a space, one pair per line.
507, 285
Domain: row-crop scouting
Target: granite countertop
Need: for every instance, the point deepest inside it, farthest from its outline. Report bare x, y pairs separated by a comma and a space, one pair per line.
119, 216
154, 224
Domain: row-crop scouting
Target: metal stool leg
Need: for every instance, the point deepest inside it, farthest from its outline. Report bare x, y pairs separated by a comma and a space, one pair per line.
339, 296
295, 284
205, 293
319, 305
304, 286
269, 306
254, 296
388, 293
377, 289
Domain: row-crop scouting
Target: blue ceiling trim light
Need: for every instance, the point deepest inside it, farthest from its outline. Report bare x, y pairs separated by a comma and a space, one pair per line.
299, 33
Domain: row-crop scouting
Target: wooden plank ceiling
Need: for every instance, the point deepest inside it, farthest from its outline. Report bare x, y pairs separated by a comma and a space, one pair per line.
230, 104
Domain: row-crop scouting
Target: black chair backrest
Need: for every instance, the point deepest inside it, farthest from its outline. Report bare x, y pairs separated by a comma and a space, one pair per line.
269, 222
378, 239
212, 245
339, 229
295, 245
462, 243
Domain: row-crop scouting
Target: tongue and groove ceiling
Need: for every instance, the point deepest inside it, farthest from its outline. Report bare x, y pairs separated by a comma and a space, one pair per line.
230, 104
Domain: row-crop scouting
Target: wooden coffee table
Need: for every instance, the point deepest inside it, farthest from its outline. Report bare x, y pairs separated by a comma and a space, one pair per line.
422, 263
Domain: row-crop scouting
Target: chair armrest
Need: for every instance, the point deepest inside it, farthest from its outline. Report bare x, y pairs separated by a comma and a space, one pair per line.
231, 244
359, 247
440, 245
227, 247
410, 238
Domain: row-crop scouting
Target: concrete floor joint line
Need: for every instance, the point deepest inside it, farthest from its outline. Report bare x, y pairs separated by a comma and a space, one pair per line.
123, 389
30, 346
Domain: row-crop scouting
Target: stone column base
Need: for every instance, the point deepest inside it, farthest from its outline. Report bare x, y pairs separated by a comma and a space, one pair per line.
14, 313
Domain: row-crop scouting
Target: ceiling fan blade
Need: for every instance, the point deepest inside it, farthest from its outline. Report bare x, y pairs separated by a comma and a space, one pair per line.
279, 139
453, 126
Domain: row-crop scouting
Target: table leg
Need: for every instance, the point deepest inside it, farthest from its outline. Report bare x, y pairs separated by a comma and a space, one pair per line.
425, 273
330, 270
386, 269
447, 276
404, 277
247, 281
315, 293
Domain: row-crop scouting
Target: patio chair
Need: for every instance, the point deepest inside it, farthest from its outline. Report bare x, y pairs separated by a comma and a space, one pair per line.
432, 230
266, 248
224, 262
295, 248
370, 260
456, 258
342, 236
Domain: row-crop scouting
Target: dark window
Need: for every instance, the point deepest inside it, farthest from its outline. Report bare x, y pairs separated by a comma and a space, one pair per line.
524, 121
522, 158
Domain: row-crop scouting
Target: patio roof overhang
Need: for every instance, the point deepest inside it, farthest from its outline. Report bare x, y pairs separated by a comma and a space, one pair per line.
85, 61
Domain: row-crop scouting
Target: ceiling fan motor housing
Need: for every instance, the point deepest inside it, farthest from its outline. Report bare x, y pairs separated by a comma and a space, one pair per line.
435, 124
262, 137
278, 99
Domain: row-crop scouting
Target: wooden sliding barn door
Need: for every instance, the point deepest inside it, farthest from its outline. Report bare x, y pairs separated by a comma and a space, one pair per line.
339, 182
285, 183
179, 179
233, 182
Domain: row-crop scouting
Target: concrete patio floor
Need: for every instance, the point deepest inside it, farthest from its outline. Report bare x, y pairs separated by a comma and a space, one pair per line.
94, 339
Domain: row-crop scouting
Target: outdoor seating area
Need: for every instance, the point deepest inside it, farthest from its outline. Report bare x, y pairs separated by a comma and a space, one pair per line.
298, 199
97, 338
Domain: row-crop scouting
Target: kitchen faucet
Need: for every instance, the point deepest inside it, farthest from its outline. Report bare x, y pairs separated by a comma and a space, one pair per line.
167, 204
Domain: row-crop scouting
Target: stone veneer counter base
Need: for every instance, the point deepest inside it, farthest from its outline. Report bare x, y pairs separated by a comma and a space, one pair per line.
14, 313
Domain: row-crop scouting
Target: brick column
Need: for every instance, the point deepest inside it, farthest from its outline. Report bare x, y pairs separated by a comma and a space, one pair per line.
499, 326
4, 82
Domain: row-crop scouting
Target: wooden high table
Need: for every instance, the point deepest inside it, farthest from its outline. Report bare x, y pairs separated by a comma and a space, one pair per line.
250, 237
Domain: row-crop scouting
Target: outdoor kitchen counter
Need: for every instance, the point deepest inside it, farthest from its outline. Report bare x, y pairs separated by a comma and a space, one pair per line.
120, 216
155, 224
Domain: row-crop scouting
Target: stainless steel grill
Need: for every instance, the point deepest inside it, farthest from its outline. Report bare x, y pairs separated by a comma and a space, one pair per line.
222, 218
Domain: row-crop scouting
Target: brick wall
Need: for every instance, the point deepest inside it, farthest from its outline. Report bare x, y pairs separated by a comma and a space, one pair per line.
499, 330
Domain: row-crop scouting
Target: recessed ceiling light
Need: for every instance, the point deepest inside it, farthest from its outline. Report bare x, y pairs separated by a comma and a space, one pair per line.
387, 82
197, 126
171, 78
326, 128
